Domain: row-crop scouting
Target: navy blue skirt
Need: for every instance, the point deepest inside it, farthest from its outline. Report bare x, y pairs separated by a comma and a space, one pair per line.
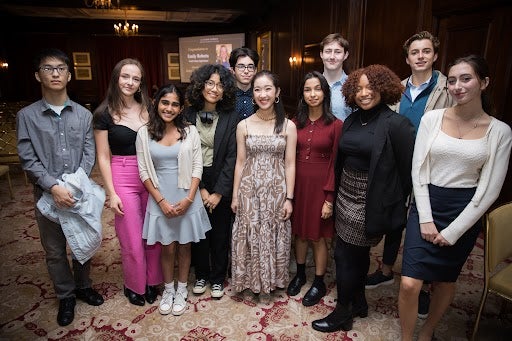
424, 260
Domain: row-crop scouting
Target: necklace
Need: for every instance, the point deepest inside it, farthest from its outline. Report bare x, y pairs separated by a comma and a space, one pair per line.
474, 125
265, 118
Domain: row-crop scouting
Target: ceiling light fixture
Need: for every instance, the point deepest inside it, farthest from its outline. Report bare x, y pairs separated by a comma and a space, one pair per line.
126, 30
103, 4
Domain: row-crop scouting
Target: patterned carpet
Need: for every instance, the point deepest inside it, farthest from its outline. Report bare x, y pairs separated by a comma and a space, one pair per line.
28, 306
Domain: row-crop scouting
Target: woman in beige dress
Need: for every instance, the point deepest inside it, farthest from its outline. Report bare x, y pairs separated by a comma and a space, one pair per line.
263, 193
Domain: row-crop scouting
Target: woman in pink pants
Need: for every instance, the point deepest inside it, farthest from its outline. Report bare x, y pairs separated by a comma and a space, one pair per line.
116, 122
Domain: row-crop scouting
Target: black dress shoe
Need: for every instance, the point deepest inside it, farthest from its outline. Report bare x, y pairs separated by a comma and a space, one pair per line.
339, 319
295, 285
151, 293
314, 295
133, 297
90, 296
66, 311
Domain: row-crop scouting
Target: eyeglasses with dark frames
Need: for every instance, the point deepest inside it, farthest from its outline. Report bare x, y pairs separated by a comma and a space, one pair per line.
242, 67
48, 69
210, 85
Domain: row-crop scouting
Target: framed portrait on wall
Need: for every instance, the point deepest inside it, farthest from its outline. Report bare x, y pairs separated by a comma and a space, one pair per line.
81, 59
173, 59
264, 46
174, 72
83, 73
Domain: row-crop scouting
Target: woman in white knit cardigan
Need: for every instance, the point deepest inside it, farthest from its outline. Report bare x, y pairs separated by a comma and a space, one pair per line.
459, 165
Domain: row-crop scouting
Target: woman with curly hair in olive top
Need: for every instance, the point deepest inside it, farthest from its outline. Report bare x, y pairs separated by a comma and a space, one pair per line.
211, 95
372, 182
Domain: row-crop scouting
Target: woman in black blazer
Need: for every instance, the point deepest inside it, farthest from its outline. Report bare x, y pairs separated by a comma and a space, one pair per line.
211, 95
373, 180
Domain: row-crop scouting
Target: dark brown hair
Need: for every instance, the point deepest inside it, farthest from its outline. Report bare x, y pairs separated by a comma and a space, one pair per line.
420, 36
481, 68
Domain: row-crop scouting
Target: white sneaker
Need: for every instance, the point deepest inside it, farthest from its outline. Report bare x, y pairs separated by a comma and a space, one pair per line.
199, 286
217, 291
180, 302
165, 306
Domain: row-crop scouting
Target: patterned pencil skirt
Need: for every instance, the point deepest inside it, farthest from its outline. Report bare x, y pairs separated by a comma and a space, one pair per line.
351, 208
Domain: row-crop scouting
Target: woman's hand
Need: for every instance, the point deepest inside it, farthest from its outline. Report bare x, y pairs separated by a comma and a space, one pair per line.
116, 204
287, 209
439, 240
168, 209
204, 194
182, 206
234, 205
212, 201
327, 210
428, 231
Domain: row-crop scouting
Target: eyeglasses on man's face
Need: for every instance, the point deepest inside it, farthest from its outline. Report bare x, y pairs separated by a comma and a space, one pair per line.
48, 69
209, 85
242, 67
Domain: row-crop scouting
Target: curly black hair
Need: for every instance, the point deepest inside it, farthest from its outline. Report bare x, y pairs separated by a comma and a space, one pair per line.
197, 82
381, 79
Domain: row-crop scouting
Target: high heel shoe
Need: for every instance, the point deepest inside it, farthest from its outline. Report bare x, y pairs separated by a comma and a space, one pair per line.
133, 297
151, 293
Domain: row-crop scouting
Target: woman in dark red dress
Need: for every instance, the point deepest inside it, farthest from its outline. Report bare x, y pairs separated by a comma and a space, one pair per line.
318, 132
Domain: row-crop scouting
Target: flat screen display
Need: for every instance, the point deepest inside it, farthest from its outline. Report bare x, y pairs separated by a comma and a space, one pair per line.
200, 50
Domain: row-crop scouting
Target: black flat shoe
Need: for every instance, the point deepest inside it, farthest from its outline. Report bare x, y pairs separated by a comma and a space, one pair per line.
314, 295
295, 285
66, 311
90, 296
151, 293
133, 297
339, 319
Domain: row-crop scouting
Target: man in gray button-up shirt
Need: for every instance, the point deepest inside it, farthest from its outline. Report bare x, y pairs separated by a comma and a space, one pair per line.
55, 137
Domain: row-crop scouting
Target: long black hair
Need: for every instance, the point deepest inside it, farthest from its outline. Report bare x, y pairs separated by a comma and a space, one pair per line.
279, 107
156, 125
303, 108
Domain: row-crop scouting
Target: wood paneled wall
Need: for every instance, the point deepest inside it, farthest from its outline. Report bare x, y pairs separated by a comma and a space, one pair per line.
376, 30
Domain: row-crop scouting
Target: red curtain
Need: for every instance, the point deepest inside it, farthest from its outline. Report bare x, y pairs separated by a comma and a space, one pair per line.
110, 50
